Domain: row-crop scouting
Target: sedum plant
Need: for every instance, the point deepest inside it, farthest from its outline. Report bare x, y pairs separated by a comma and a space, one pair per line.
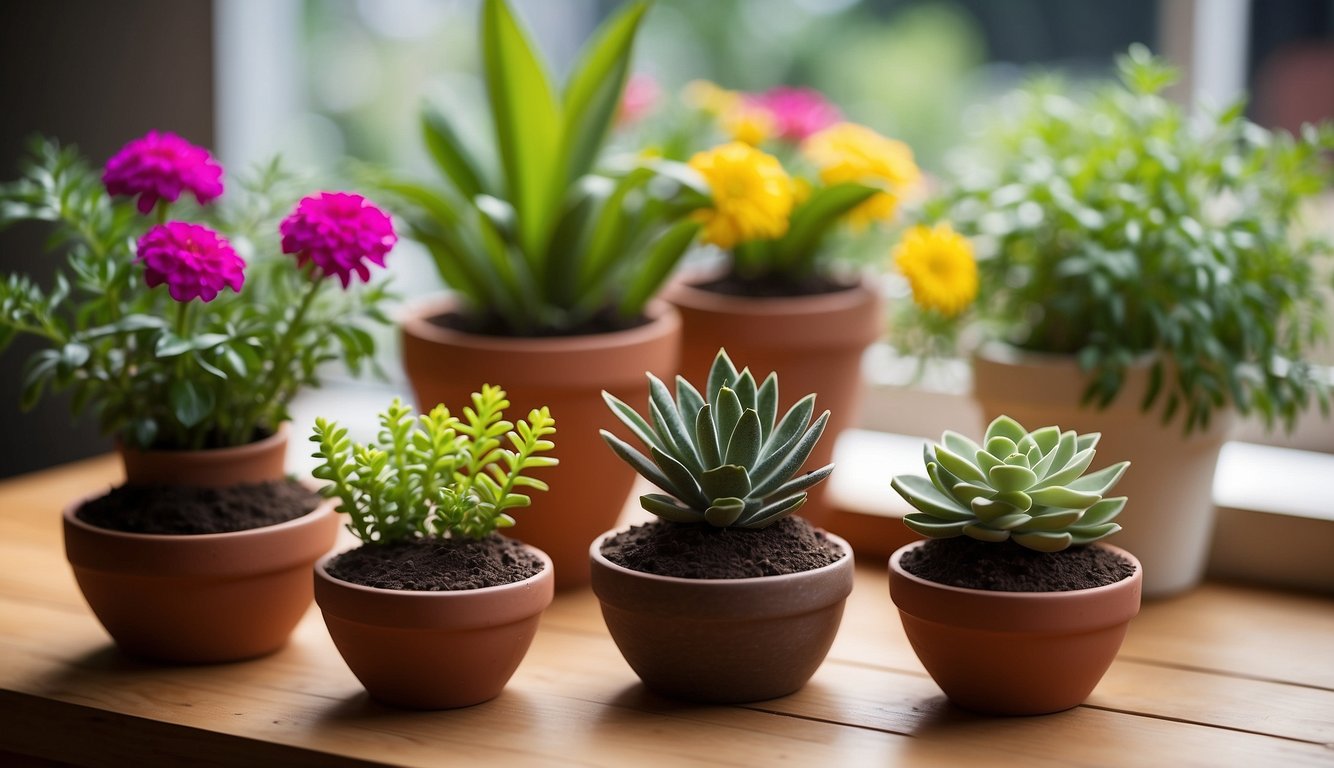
1020, 485
435, 474
547, 245
724, 460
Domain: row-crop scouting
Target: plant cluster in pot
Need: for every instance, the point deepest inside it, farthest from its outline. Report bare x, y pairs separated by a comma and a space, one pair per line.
795, 195
553, 265
1140, 273
435, 609
726, 568
1009, 604
188, 354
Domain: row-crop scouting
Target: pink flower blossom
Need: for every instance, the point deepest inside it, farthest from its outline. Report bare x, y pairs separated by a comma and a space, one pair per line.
160, 166
797, 112
194, 261
641, 95
340, 232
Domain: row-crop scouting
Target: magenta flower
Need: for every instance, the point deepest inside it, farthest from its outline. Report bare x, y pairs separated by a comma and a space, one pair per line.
195, 262
340, 232
797, 112
160, 166
641, 95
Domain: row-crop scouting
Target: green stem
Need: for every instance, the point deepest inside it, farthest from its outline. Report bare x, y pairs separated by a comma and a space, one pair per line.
282, 358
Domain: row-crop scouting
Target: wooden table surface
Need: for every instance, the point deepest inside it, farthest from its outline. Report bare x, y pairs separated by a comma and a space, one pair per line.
1226, 675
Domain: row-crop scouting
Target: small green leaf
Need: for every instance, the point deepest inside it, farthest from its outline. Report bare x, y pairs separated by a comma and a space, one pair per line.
190, 403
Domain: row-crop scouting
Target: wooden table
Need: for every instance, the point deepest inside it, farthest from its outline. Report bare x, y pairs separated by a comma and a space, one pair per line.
1227, 675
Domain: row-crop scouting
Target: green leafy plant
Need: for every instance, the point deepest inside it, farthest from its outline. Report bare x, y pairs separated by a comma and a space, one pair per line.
435, 474
548, 245
724, 461
158, 371
1026, 486
1112, 225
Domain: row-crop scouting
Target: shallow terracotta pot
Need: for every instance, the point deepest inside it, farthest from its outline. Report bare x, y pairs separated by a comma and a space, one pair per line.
1014, 653
199, 598
590, 486
815, 343
723, 640
1168, 523
433, 650
257, 462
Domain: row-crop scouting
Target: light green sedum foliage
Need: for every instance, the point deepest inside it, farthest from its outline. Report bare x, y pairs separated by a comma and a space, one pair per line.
1026, 486
435, 474
724, 461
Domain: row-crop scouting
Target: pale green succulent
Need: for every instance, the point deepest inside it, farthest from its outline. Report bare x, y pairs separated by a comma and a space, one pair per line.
1026, 486
724, 462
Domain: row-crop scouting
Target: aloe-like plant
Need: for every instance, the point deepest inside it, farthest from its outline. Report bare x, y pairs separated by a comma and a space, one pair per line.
549, 244
1020, 485
435, 474
725, 461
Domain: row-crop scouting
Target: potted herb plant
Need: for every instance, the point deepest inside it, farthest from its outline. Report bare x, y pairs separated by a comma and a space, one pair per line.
553, 265
1009, 603
1140, 272
188, 354
783, 300
435, 609
726, 568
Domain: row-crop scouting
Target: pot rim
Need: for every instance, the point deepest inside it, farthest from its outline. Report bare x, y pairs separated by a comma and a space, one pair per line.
415, 319
281, 434
595, 550
1004, 353
322, 571
70, 516
685, 292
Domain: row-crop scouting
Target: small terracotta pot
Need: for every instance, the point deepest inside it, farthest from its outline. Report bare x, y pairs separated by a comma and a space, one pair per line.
815, 343
1168, 523
433, 650
723, 641
199, 598
1014, 653
590, 486
257, 462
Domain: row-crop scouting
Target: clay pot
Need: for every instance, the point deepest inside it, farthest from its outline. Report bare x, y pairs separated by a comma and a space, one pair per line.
1168, 523
815, 343
590, 486
433, 650
256, 462
199, 598
723, 641
1014, 653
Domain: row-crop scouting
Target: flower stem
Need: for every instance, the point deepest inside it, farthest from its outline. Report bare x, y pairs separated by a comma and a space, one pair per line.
269, 386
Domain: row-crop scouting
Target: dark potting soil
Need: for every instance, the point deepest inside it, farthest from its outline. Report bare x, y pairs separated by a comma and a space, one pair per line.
1009, 567
188, 511
701, 551
774, 287
604, 322
437, 565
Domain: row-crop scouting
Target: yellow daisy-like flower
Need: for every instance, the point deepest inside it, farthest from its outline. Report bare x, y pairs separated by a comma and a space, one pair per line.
752, 195
748, 123
940, 267
709, 97
847, 152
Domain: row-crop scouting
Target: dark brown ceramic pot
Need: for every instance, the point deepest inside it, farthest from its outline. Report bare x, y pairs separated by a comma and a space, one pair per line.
815, 343
1014, 653
590, 486
433, 650
257, 462
723, 640
199, 598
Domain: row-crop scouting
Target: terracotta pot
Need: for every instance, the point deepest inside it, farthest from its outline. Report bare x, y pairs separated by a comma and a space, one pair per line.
815, 343
256, 462
199, 598
590, 486
1014, 653
1168, 522
723, 640
433, 650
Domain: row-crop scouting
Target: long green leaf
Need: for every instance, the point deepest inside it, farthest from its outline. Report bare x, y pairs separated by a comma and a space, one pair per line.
658, 264
815, 217
450, 155
593, 92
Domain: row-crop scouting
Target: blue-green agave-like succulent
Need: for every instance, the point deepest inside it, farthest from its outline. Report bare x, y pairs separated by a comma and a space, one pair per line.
1020, 485
726, 461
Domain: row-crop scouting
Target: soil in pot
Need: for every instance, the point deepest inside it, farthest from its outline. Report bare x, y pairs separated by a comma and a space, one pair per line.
438, 565
791, 545
179, 510
774, 287
1009, 567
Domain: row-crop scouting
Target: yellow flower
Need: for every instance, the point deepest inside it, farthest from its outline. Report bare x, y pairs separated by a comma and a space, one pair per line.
847, 152
940, 267
752, 195
748, 123
708, 97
